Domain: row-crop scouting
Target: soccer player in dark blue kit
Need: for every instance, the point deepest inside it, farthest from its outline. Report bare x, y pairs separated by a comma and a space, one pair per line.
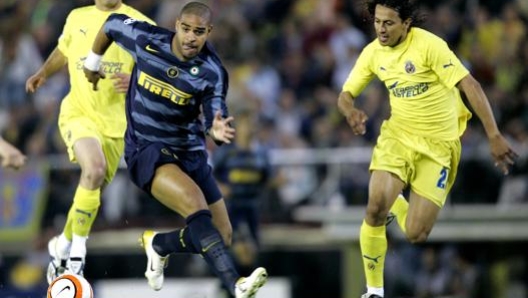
177, 77
243, 172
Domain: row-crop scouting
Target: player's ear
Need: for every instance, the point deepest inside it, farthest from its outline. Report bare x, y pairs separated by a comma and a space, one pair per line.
210, 28
407, 23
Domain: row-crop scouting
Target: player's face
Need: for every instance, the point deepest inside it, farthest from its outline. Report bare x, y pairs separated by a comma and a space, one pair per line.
192, 32
390, 28
108, 4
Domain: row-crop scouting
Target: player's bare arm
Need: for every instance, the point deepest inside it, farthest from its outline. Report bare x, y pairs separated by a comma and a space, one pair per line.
54, 63
221, 129
121, 82
10, 156
92, 63
356, 118
501, 150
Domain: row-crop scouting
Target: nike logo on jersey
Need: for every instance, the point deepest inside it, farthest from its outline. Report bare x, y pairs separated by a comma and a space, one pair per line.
450, 64
382, 68
150, 49
83, 31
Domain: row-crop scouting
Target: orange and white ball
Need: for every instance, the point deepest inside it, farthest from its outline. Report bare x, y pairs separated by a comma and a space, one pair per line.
70, 286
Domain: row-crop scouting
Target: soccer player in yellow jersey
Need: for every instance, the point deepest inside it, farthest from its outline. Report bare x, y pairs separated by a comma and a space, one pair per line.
92, 123
419, 145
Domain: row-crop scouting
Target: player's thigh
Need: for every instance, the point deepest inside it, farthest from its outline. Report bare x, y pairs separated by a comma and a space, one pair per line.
113, 151
391, 167
176, 190
432, 180
95, 152
221, 220
75, 129
430, 185
421, 217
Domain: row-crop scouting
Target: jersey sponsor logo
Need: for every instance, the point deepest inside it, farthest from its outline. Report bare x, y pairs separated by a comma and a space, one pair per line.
410, 91
409, 67
173, 72
108, 67
163, 89
150, 49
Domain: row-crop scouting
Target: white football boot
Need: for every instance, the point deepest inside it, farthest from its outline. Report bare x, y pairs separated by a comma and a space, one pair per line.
57, 264
155, 263
247, 287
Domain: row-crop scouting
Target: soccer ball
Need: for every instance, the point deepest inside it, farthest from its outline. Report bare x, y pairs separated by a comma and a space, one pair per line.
70, 286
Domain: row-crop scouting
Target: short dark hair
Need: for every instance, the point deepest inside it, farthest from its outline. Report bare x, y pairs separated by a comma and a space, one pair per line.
407, 9
197, 8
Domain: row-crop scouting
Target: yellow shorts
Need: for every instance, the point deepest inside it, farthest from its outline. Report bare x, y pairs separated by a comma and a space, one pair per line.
427, 165
74, 127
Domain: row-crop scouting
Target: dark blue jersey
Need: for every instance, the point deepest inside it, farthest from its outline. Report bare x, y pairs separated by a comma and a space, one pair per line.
166, 96
245, 171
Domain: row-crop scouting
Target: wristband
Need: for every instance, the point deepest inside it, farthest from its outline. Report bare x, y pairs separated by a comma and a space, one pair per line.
93, 61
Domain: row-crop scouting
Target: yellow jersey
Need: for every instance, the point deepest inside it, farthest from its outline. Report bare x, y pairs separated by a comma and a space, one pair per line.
105, 106
420, 75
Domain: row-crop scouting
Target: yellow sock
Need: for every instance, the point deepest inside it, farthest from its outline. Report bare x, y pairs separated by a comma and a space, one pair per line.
68, 226
400, 209
83, 212
373, 242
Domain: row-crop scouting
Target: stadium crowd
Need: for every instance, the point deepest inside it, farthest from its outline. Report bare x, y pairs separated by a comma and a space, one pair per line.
287, 61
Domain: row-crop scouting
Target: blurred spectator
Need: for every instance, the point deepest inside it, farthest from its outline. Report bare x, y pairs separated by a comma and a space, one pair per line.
434, 277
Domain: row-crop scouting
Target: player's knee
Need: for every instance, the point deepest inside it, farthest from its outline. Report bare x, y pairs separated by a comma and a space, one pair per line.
94, 174
377, 212
417, 235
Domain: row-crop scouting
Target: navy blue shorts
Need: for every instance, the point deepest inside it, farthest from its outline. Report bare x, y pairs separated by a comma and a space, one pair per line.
142, 163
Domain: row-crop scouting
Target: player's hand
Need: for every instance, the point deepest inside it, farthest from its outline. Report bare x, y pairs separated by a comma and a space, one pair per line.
357, 119
121, 82
502, 153
11, 157
221, 130
93, 76
34, 82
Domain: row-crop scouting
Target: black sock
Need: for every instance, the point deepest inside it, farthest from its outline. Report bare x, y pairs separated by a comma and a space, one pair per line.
207, 240
178, 241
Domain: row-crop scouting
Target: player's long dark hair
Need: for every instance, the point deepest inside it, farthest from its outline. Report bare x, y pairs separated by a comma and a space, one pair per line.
405, 8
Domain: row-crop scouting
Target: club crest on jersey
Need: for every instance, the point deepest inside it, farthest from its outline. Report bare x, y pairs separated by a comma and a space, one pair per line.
195, 70
173, 72
409, 67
